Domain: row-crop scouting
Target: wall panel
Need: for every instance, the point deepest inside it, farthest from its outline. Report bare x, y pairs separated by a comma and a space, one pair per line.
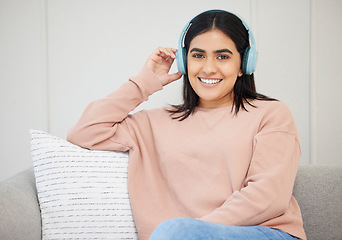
328, 87
22, 90
283, 37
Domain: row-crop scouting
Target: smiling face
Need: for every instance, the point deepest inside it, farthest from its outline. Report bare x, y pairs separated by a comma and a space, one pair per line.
213, 66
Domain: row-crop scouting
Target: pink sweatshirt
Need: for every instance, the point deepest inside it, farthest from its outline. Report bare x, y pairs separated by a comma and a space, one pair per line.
214, 165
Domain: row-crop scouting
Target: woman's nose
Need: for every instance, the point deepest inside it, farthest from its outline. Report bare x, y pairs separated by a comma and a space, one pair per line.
209, 66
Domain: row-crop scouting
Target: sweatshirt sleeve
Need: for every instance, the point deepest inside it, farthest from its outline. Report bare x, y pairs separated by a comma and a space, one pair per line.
268, 186
103, 125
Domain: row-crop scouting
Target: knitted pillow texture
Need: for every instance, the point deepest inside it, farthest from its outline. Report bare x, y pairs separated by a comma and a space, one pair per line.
82, 193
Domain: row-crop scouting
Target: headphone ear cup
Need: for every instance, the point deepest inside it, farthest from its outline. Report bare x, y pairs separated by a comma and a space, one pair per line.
181, 60
249, 60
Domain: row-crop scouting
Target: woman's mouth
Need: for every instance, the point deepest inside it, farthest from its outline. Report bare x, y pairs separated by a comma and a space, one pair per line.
210, 81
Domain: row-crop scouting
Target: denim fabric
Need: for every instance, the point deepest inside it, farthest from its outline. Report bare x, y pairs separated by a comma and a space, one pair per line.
189, 228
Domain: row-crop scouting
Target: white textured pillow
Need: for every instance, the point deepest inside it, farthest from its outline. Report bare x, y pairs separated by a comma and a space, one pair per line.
82, 193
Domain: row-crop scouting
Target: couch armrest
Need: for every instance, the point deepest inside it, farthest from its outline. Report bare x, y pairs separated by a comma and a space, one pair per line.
19, 208
318, 190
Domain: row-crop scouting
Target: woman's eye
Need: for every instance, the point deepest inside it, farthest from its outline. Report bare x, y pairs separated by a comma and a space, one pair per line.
198, 55
222, 57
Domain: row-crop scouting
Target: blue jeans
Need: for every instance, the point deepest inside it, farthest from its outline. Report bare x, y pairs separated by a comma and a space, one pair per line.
190, 228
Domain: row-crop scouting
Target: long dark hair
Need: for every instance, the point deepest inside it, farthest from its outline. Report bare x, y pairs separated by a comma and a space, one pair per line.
244, 89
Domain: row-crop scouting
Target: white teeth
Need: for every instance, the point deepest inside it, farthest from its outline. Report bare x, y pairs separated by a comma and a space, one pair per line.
210, 81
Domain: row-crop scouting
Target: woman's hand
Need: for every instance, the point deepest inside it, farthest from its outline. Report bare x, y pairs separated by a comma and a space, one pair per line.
160, 62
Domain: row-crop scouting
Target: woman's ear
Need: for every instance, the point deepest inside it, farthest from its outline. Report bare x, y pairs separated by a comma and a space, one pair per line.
240, 73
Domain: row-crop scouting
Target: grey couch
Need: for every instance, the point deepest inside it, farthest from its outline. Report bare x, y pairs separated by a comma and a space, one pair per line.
318, 190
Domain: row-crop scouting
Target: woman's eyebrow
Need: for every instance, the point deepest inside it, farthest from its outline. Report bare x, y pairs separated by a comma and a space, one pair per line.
225, 50
197, 50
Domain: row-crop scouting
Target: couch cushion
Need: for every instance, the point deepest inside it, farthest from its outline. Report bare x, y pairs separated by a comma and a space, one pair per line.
318, 190
82, 193
19, 210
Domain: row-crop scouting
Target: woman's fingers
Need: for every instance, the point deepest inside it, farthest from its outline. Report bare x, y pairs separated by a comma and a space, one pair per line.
175, 76
167, 53
161, 55
160, 63
170, 78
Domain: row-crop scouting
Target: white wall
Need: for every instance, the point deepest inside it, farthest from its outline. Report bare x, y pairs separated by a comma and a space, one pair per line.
327, 84
58, 55
23, 84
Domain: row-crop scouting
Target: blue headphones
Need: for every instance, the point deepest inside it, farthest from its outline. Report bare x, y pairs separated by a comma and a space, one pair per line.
249, 58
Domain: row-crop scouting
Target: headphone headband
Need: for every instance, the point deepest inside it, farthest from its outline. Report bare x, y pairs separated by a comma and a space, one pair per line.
249, 58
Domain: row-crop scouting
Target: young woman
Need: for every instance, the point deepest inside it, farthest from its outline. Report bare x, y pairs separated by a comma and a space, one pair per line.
219, 166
